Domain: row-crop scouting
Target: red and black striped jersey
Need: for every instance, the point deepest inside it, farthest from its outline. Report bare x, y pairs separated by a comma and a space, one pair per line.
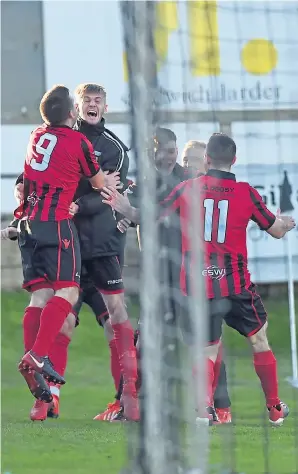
57, 157
226, 207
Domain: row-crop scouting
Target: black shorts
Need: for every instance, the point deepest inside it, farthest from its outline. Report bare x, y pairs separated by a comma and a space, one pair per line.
90, 295
244, 312
50, 254
106, 274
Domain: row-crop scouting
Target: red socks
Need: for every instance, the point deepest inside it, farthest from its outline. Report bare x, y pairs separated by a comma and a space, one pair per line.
59, 353
31, 322
124, 340
266, 369
139, 379
210, 381
217, 366
115, 363
52, 318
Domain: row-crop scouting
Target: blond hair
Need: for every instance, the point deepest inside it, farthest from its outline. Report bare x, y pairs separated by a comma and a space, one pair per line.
90, 88
194, 144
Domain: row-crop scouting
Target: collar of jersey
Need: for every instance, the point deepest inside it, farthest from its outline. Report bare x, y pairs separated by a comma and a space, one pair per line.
221, 174
90, 130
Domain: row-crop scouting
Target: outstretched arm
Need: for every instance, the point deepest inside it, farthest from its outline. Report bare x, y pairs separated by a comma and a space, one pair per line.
121, 203
276, 226
281, 226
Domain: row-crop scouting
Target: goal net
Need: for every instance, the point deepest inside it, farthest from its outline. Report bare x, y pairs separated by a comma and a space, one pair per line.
195, 68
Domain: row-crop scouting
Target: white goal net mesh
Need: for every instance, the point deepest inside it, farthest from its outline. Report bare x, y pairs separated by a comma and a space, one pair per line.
199, 67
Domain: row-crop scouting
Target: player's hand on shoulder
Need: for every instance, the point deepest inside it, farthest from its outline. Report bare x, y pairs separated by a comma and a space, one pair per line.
113, 179
117, 201
107, 193
123, 225
73, 209
19, 192
9, 233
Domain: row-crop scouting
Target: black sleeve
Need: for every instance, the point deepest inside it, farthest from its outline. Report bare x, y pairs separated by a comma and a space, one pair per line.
20, 179
132, 193
14, 223
90, 204
118, 159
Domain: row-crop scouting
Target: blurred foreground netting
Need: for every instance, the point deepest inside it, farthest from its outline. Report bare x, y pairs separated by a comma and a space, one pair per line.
196, 68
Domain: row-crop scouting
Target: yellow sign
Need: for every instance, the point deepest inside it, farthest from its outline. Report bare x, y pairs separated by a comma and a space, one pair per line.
204, 56
258, 56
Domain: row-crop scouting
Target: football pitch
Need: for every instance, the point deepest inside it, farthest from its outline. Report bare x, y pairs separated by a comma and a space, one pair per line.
78, 445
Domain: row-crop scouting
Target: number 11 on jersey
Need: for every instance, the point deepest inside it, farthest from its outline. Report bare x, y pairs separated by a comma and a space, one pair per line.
223, 207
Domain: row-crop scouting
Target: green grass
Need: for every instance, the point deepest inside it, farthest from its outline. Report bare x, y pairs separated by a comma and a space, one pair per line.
78, 445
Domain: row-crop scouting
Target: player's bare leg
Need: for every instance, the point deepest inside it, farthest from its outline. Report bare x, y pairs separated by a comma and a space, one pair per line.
266, 369
124, 339
36, 359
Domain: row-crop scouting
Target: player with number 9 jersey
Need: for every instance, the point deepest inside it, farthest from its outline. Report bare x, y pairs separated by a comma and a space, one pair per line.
56, 159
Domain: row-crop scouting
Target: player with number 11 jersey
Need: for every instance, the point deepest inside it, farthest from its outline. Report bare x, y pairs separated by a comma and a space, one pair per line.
225, 207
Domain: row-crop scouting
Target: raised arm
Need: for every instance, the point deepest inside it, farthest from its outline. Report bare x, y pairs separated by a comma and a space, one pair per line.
122, 205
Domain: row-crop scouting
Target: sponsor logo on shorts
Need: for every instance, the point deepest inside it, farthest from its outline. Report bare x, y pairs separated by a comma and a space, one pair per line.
114, 282
66, 243
214, 272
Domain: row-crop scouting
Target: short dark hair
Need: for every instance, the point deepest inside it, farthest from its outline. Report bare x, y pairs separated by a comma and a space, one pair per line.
55, 105
90, 88
163, 136
221, 149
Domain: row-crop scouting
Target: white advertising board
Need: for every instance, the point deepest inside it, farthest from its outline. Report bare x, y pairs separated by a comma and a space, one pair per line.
278, 185
218, 55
